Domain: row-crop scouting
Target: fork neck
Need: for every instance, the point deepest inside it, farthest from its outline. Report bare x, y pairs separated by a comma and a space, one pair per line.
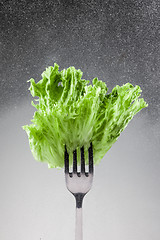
79, 199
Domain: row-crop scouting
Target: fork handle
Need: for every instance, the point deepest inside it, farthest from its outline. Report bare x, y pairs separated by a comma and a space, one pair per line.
78, 232
79, 199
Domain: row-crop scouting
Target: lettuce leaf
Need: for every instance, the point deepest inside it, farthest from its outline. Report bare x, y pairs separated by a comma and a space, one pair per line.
71, 111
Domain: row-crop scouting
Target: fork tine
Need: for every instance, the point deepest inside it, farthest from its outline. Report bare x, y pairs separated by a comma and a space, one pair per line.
66, 160
82, 160
75, 161
90, 150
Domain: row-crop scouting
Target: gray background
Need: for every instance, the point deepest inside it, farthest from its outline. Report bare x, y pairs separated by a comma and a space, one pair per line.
118, 42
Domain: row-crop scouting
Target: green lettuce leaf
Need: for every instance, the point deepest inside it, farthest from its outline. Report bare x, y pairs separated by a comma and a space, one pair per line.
72, 112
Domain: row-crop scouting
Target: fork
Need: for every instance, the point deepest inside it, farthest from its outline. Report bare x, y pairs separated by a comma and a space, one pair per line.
79, 183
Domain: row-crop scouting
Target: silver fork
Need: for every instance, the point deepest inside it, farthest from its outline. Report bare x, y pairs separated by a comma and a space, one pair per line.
79, 183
